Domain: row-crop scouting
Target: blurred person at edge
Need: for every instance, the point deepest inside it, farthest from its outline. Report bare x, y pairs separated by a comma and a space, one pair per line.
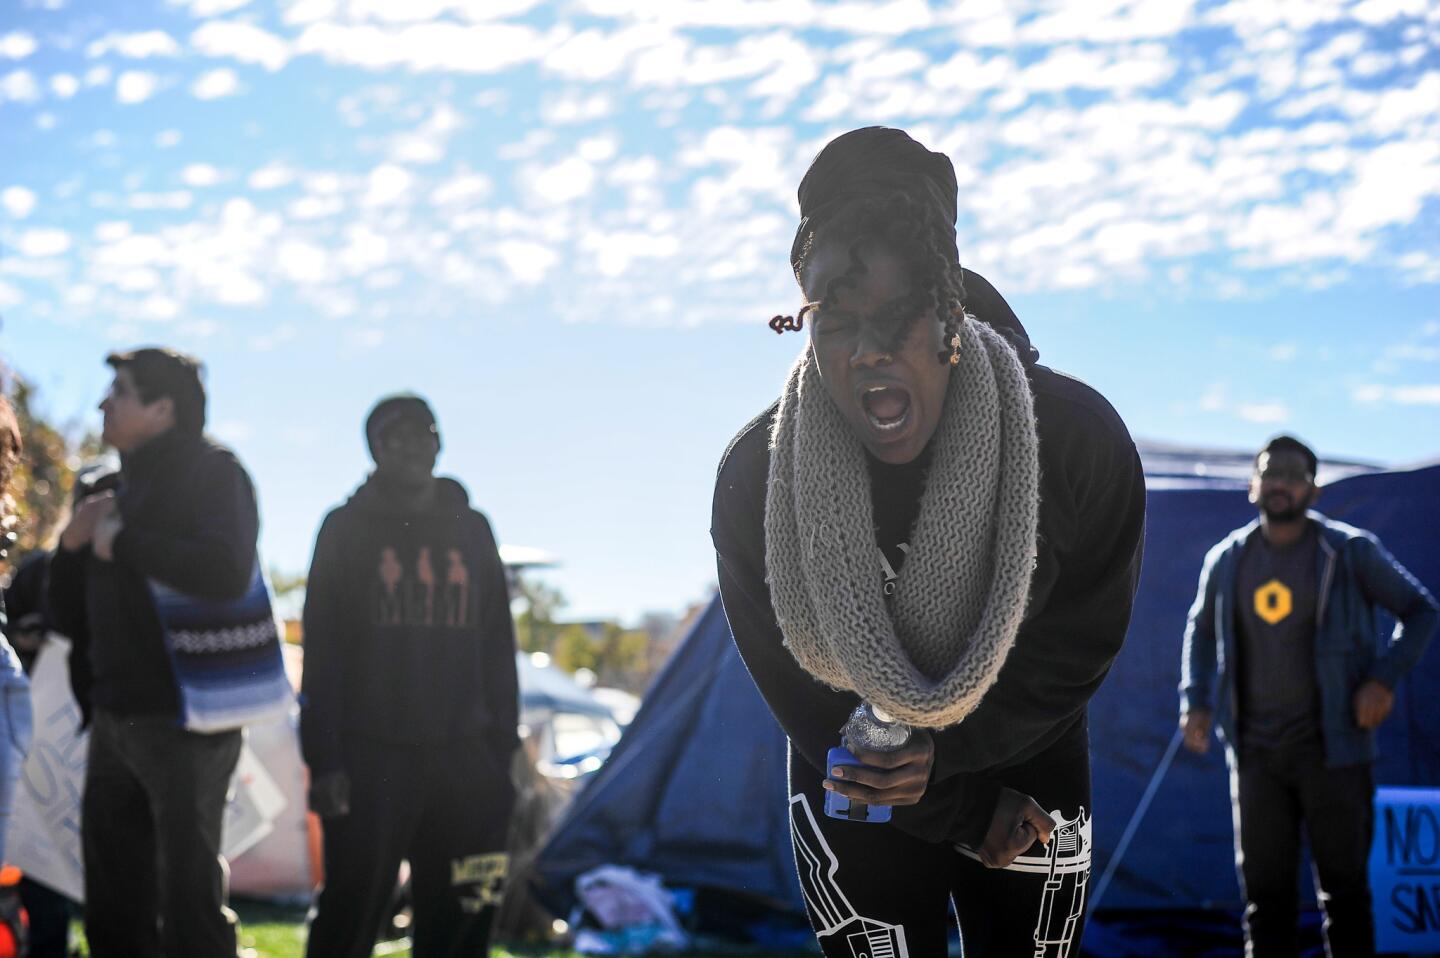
185, 516
1303, 682
409, 700
15, 719
30, 625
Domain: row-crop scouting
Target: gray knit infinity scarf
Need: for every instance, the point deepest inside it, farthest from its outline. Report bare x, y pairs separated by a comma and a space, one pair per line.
929, 656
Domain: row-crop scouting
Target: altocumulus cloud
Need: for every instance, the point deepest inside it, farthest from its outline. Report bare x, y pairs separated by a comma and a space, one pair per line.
425, 155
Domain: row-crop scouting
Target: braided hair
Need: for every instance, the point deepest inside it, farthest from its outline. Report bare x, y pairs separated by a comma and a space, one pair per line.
916, 233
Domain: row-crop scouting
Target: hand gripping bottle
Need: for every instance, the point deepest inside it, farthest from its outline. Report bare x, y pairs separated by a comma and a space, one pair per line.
867, 728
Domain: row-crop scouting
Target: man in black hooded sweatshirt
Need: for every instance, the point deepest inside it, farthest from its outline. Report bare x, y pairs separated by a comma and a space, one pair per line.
409, 699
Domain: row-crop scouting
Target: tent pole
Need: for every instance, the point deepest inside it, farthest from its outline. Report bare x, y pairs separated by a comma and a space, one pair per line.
1135, 819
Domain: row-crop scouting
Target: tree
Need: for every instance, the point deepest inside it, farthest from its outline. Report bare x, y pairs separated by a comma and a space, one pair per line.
622, 659
574, 649
45, 477
535, 627
619, 657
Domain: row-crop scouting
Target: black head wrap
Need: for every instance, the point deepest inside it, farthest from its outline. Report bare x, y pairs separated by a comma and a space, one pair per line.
878, 161
874, 161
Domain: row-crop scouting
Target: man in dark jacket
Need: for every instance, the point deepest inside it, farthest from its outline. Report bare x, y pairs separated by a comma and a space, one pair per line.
1286, 614
410, 700
184, 517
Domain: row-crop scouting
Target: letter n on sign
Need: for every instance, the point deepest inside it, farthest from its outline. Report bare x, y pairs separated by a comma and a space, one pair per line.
1405, 870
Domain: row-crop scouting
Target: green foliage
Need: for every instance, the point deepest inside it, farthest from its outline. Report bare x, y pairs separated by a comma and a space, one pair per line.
535, 627
45, 476
622, 657
285, 584
616, 655
574, 649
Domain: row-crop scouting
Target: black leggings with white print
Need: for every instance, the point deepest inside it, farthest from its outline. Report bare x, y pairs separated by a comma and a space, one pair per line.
873, 891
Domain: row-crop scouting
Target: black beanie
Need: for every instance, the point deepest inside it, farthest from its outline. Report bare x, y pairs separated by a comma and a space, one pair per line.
393, 409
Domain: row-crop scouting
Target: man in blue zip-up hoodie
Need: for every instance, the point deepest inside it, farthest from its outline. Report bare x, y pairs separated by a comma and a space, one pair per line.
1286, 618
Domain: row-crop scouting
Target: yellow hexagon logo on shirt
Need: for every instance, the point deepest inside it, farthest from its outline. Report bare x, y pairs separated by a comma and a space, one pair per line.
1273, 602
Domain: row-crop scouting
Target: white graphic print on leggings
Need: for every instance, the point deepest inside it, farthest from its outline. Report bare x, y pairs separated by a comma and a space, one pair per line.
1066, 867
866, 937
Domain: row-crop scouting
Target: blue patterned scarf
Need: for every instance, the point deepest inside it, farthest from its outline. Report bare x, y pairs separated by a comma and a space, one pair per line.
226, 655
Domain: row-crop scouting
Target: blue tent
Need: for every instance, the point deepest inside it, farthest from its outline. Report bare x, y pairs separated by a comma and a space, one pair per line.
696, 789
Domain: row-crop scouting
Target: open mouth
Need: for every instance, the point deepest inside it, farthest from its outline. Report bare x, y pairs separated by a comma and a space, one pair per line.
886, 407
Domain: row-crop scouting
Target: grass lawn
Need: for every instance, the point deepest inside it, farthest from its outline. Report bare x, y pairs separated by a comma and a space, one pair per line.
278, 931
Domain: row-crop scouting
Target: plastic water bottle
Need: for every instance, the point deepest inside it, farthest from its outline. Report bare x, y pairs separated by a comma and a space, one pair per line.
868, 728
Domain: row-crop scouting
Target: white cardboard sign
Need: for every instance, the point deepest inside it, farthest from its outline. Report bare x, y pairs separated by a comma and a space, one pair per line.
44, 836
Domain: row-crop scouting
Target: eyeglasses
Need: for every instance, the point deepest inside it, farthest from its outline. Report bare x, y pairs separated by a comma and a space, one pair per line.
890, 317
1286, 475
407, 432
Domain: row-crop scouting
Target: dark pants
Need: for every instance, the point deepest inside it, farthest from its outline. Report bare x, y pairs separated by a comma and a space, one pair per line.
1276, 792
871, 889
49, 913
150, 823
446, 810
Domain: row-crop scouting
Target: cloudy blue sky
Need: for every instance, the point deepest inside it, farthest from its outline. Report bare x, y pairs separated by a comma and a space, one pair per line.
567, 223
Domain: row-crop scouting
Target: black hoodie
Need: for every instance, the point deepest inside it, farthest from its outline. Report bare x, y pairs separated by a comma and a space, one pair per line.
408, 635
1092, 514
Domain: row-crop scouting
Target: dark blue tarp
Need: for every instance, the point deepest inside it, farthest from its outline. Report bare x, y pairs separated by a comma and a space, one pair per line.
1182, 855
696, 789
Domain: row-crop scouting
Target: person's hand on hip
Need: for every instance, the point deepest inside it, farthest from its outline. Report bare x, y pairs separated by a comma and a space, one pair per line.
1373, 702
